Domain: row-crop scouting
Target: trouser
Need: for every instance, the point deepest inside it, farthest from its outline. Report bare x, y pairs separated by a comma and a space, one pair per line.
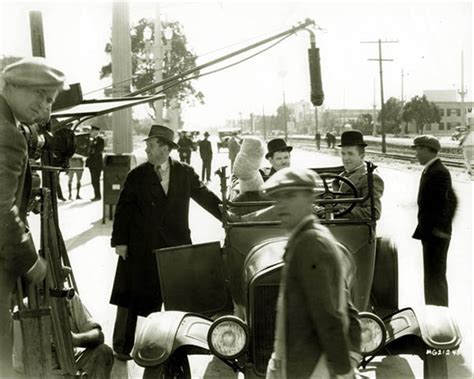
206, 169
467, 151
7, 285
124, 330
318, 144
435, 251
96, 362
95, 179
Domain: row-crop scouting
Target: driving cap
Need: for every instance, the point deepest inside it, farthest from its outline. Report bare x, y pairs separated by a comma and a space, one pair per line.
291, 179
427, 141
34, 72
352, 138
164, 133
277, 144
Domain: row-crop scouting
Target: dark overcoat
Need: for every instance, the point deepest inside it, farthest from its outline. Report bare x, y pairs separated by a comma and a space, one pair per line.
205, 149
95, 158
147, 219
437, 202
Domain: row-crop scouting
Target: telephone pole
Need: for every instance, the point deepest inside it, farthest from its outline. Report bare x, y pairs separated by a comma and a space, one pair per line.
380, 60
463, 92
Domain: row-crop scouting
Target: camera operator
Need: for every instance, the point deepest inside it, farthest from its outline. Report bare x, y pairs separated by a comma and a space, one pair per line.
31, 86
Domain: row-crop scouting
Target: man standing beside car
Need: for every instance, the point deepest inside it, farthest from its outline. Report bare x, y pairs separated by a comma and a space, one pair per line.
318, 332
152, 212
437, 203
31, 86
95, 160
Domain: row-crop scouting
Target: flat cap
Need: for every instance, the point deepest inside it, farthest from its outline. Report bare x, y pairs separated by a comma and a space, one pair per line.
34, 72
292, 179
428, 141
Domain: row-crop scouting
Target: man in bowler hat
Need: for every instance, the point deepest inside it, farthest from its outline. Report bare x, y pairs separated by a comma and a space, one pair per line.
95, 160
278, 154
152, 212
317, 332
436, 206
353, 153
205, 150
31, 86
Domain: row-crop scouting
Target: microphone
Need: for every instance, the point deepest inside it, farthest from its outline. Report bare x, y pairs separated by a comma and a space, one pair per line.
317, 94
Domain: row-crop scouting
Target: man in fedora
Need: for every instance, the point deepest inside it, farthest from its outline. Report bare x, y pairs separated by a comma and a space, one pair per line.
95, 160
205, 150
353, 153
152, 212
317, 332
436, 206
278, 154
31, 86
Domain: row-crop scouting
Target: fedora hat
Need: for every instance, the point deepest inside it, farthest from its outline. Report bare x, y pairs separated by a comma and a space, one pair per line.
277, 144
164, 133
352, 138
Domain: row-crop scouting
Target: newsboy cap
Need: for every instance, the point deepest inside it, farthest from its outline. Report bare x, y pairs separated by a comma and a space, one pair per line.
427, 141
34, 72
291, 179
164, 133
352, 138
277, 144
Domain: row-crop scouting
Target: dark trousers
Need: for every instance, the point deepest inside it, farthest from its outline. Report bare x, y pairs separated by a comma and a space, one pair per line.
7, 284
95, 179
318, 144
97, 362
435, 251
124, 330
206, 169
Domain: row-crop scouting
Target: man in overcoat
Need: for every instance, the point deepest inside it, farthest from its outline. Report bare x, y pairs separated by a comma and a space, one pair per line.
318, 331
437, 203
31, 86
205, 150
353, 153
152, 212
95, 160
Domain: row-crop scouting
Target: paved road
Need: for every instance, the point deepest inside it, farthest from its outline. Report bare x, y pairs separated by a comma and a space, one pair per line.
94, 261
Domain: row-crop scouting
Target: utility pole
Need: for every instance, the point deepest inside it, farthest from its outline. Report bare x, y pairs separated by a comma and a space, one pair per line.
463, 92
315, 120
264, 126
285, 116
158, 56
401, 96
380, 60
374, 117
37, 36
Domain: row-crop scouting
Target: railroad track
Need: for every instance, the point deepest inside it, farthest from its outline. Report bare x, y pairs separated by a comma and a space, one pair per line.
393, 152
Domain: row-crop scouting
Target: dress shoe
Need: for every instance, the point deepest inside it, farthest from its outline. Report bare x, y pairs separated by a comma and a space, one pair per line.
122, 356
95, 199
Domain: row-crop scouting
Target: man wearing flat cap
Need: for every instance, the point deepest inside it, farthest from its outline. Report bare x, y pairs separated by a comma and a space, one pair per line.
436, 206
317, 332
353, 153
278, 154
31, 86
152, 212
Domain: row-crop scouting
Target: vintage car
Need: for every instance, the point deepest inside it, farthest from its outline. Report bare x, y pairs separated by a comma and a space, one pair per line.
458, 133
224, 135
222, 300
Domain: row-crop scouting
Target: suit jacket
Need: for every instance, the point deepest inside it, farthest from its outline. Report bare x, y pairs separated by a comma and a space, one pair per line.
437, 202
147, 219
359, 179
17, 253
316, 292
266, 172
205, 149
95, 159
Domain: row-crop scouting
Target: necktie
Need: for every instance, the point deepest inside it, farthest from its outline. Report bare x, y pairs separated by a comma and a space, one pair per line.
157, 170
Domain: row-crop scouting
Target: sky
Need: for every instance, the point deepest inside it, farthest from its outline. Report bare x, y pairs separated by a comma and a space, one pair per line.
430, 37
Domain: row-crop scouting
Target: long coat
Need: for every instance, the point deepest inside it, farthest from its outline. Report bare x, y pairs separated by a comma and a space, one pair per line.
316, 300
95, 158
146, 219
437, 202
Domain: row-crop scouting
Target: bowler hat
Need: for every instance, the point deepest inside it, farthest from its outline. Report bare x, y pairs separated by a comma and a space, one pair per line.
291, 179
352, 138
277, 144
164, 133
206, 134
427, 141
34, 72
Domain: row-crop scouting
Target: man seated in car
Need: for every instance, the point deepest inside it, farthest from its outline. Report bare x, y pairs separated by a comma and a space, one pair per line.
353, 153
278, 154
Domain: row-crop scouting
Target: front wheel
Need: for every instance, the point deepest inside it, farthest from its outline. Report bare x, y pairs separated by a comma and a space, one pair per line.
176, 367
435, 367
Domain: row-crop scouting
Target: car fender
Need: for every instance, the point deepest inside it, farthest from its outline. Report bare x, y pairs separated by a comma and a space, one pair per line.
164, 332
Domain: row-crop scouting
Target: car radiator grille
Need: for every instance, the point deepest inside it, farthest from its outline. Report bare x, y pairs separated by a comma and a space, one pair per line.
264, 315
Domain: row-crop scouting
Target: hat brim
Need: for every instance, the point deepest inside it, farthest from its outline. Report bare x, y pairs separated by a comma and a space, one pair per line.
271, 192
352, 144
173, 144
286, 148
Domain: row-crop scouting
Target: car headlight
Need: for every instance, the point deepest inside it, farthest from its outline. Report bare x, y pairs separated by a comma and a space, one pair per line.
373, 333
228, 337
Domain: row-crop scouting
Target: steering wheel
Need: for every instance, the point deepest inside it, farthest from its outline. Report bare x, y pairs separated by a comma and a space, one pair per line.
329, 193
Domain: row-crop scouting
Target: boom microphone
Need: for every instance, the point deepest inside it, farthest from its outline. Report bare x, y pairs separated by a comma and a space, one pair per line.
317, 94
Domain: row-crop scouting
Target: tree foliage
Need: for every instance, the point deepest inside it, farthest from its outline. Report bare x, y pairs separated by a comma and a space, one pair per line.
282, 112
178, 60
422, 112
328, 120
392, 114
363, 123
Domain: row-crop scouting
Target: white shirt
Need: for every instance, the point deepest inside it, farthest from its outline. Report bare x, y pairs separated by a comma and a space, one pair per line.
165, 176
429, 163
